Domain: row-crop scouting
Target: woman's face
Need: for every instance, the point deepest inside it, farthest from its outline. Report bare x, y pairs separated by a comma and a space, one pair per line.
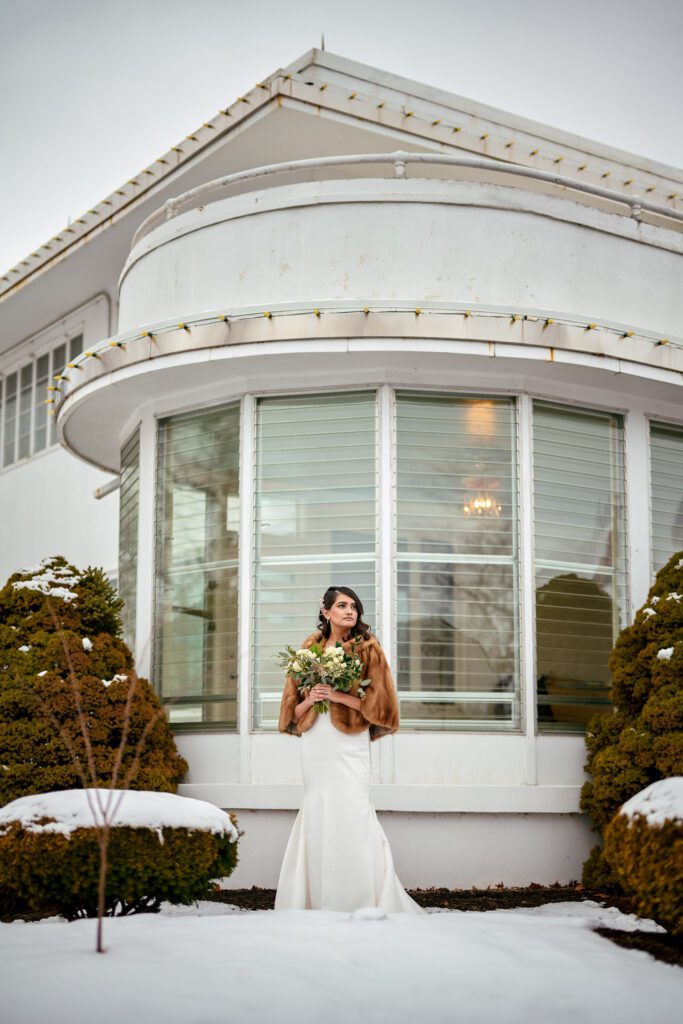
343, 613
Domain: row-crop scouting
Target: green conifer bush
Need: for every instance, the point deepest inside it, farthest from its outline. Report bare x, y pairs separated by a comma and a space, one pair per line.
642, 741
37, 653
645, 850
48, 872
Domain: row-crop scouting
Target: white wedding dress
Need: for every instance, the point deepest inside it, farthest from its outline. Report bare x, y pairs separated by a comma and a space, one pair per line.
338, 856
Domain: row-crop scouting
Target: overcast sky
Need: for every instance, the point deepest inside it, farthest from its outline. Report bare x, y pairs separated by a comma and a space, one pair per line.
90, 92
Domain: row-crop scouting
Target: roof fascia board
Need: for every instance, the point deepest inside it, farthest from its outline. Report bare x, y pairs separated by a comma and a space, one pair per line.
363, 73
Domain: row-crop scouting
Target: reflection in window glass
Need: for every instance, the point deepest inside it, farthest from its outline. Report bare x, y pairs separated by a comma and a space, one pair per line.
666, 509
58, 365
10, 423
129, 501
580, 560
315, 523
456, 562
195, 644
25, 405
40, 416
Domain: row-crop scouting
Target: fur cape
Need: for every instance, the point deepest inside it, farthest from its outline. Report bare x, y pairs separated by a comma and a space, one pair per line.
378, 711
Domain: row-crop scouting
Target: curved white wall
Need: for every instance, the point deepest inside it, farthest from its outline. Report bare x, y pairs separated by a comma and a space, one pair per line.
416, 240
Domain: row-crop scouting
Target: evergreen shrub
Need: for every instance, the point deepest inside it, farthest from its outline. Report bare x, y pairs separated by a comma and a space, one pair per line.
35, 659
56, 873
647, 858
642, 740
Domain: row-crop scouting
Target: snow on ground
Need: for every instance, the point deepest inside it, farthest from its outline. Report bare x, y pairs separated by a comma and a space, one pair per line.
212, 963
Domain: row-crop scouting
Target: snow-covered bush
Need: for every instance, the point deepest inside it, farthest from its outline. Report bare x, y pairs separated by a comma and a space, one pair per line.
642, 741
644, 847
162, 847
40, 658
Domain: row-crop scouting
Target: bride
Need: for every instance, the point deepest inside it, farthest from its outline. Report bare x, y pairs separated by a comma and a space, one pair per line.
338, 856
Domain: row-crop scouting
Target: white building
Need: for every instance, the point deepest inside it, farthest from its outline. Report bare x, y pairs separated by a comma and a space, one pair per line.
355, 330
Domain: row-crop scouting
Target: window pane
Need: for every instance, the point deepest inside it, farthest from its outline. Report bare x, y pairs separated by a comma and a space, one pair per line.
580, 560
129, 496
25, 404
75, 346
666, 510
456, 523
196, 587
10, 425
58, 364
40, 416
315, 522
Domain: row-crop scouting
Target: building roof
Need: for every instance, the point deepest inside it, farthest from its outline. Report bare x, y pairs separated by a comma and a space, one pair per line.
407, 113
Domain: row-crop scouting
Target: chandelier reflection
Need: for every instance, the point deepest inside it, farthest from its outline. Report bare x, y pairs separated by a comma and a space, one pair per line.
483, 503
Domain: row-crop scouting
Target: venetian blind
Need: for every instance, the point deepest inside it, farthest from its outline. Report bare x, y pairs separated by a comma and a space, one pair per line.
456, 561
129, 500
579, 538
666, 501
315, 522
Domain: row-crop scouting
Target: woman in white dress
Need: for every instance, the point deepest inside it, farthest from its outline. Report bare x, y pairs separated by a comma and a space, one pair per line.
338, 856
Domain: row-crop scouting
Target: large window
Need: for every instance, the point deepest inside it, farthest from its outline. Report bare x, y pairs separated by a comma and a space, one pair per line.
195, 630
456, 561
451, 507
580, 560
24, 420
315, 522
666, 508
129, 500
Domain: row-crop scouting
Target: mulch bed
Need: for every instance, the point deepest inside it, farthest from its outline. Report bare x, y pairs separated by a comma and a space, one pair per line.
660, 945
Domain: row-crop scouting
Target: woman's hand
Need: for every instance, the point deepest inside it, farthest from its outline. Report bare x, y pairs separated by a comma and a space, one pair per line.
322, 691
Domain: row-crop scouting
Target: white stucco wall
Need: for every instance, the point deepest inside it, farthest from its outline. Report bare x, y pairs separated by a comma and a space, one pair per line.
420, 240
48, 508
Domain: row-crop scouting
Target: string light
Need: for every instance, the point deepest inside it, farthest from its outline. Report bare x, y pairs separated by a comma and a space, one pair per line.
182, 327
418, 310
268, 316
316, 312
582, 167
591, 327
434, 123
548, 322
627, 334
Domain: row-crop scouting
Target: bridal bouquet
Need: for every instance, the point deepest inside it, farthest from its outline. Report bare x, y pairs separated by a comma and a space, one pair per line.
311, 665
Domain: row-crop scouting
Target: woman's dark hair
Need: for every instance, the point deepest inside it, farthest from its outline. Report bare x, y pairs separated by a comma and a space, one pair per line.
360, 629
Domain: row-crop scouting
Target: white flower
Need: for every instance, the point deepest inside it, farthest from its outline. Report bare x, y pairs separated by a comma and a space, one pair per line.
302, 652
665, 653
296, 666
87, 644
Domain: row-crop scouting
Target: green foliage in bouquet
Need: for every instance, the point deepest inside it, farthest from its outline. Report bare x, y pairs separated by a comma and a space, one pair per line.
51, 872
54, 621
334, 666
642, 740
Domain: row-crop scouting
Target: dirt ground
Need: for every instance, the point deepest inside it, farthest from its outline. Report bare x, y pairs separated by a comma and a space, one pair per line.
660, 945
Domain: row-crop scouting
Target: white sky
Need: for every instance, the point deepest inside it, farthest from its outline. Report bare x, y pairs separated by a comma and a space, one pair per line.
91, 92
